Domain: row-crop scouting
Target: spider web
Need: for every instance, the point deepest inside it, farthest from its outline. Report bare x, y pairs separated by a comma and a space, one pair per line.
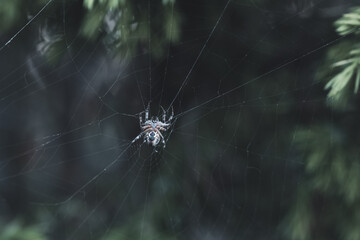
68, 161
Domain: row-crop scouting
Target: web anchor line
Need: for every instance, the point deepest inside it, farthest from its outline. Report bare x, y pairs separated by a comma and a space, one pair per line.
200, 53
261, 76
21, 29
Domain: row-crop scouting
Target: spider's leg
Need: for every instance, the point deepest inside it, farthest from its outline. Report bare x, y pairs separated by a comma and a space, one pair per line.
146, 115
161, 127
164, 114
161, 136
157, 130
140, 120
148, 129
172, 114
137, 137
145, 127
147, 112
163, 141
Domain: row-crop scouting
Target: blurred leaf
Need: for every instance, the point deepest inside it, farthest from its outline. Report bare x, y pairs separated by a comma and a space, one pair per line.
349, 23
298, 224
92, 23
172, 25
123, 25
15, 230
338, 83
9, 13
89, 4
332, 175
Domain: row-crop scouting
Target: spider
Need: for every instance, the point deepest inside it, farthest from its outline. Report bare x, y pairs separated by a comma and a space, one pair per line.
151, 128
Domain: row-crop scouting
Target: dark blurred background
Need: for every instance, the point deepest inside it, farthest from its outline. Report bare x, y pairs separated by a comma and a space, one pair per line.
264, 142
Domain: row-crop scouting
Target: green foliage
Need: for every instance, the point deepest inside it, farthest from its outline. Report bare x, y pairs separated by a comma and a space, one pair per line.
349, 23
10, 12
16, 230
332, 174
18, 12
338, 83
127, 26
123, 25
350, 67
140, 230
143, 227
298, 225
329, 195
89, 4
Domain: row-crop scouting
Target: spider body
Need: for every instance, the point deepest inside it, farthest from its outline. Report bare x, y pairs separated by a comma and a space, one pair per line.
151, 128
